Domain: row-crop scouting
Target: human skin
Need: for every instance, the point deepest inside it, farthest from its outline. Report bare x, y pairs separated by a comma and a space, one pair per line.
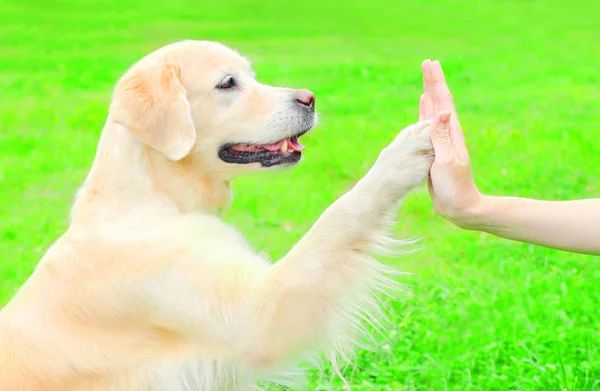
566, 225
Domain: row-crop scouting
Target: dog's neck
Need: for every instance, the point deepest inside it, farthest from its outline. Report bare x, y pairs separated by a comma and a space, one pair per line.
127, 176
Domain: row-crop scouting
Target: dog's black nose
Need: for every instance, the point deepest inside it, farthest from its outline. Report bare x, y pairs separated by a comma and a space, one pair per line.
307, 99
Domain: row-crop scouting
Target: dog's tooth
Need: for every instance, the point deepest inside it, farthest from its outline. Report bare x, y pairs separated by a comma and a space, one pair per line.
284, 146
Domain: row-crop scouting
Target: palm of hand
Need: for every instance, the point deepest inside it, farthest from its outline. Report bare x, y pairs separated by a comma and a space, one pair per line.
451, 184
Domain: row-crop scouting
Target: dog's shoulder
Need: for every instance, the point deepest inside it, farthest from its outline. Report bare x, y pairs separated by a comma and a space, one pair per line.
128, 247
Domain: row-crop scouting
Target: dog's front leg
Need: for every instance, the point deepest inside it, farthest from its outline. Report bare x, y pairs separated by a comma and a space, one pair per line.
317, 294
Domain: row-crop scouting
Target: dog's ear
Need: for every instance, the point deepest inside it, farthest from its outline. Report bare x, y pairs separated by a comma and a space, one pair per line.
151, 102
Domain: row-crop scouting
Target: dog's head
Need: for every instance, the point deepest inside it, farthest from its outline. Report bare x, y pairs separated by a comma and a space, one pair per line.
200, 100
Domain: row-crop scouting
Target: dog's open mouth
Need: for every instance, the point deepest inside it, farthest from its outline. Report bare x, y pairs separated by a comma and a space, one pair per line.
286, 151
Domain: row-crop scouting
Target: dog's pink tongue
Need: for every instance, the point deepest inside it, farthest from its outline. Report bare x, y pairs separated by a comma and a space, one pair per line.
295, 145
274, 147
292, 145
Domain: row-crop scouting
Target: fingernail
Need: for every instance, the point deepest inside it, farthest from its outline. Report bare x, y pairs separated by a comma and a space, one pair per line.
445, 116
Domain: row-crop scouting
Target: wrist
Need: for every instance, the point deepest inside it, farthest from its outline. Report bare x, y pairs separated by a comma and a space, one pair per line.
474, 217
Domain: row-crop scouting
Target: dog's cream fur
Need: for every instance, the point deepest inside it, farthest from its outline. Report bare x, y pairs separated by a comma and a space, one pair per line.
149, 290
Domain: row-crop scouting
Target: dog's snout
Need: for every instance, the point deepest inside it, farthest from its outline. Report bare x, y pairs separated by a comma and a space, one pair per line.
307, 99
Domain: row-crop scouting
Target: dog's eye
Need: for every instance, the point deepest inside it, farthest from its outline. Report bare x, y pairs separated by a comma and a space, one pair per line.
227, 83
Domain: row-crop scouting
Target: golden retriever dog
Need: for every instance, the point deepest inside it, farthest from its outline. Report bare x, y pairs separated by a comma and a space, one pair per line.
148, 289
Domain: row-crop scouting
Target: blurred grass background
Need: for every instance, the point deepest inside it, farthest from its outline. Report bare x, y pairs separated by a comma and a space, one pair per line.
487, 314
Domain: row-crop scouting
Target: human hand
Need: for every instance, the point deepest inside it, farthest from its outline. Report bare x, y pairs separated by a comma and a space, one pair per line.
567, 225
451, 186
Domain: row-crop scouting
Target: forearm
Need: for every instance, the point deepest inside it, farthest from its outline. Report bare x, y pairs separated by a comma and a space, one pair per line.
566, 225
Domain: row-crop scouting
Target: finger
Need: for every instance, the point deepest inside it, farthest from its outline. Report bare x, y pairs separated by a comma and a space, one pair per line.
425, 108
426, 104
443, 100
438, 89
425, 71
458, 139
428, 84
440, 139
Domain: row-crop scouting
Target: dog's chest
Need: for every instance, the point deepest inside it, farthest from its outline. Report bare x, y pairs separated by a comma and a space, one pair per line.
202, 375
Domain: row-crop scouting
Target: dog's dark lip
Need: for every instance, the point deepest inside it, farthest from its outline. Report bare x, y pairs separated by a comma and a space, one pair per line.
264, 157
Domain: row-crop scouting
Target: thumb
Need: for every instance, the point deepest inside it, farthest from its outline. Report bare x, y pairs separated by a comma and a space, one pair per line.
440, 138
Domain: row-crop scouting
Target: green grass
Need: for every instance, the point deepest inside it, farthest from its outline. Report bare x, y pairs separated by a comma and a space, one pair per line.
487, 314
